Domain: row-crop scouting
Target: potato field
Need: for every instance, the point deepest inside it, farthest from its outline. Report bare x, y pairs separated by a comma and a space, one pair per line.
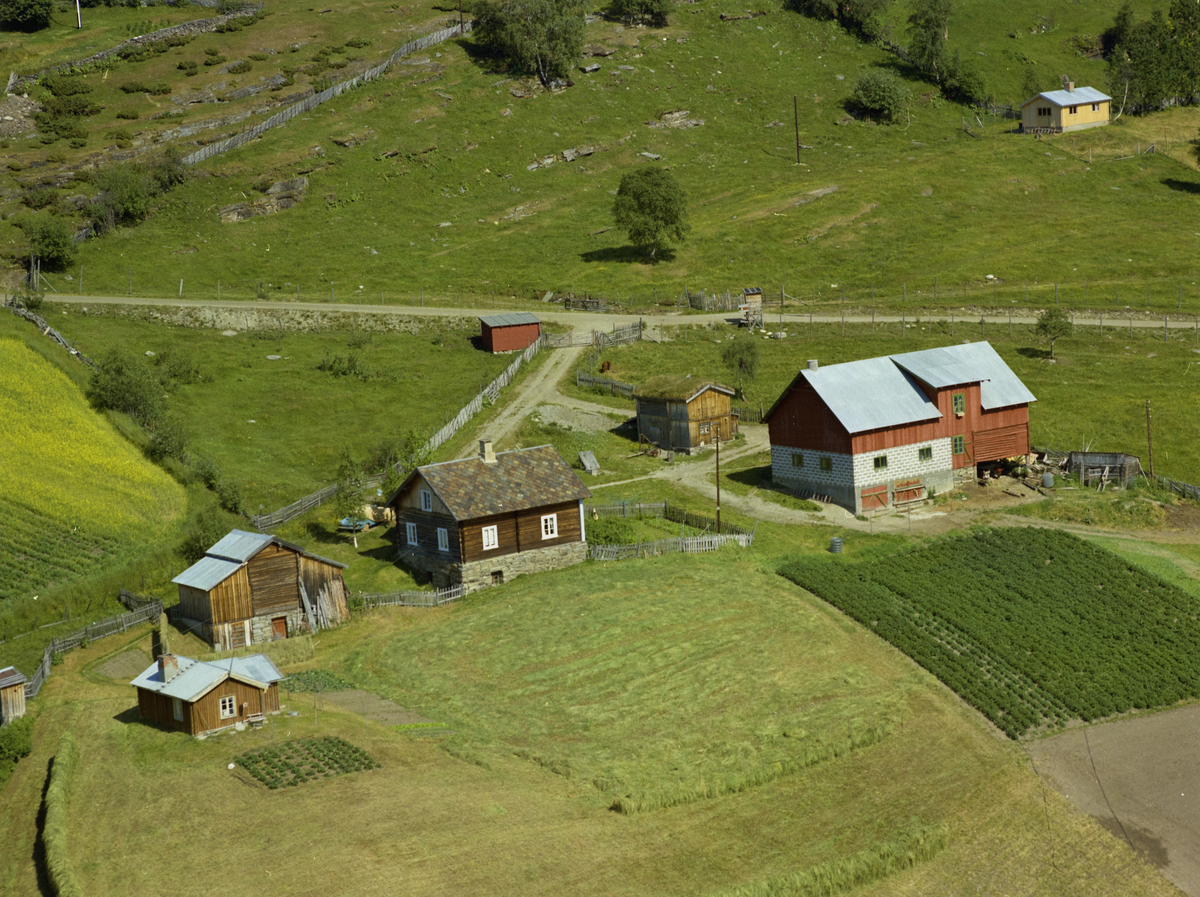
1032, 627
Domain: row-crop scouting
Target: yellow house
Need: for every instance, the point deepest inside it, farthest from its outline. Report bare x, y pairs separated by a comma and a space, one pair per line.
1071, 109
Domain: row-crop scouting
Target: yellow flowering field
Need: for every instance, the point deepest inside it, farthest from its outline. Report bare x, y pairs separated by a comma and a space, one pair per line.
63, 461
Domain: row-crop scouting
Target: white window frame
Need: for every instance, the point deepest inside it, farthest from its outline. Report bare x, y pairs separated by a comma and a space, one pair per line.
426, 500
491, 538
177, 708
230, 702
443, 539
705, 427
410, 534
549, 526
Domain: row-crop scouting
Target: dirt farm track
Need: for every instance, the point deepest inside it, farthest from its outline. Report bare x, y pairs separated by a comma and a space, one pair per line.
1140, 779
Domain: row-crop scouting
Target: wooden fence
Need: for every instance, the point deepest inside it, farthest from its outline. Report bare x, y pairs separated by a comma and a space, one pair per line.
40, 323
150, 609
612, 387
490, 393
666, 511
1057, 458
307, 105
685, 544
570, 340
749, 414
410, 598
703, 301
620, 336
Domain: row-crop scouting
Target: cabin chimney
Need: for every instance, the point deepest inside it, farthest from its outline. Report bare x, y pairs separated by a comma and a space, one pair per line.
486, 453
168, 665
812, 364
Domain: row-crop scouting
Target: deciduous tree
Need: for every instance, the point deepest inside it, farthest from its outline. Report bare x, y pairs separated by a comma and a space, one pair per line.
652, 207
540, 37
1053, 324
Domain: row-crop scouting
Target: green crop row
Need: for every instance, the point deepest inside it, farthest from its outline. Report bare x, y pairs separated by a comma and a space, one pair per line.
304, 760
1032, 627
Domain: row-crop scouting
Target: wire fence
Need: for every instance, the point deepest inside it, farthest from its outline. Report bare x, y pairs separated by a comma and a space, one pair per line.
310, 103
488, 396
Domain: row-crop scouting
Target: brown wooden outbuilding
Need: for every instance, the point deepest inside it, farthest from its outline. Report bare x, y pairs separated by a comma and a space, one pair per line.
12, 695
683, 414
513, 332
251, 588
199, 697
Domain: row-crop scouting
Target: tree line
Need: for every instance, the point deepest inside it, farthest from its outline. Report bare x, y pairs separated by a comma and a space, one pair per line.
1154, 63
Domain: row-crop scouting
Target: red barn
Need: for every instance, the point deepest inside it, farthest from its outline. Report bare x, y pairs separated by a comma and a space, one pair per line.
512, 332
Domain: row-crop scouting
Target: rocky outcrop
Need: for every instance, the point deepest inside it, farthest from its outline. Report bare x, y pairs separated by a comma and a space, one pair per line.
279, 196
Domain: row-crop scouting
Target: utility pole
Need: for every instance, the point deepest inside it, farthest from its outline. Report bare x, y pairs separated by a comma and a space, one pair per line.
717, 440
1149, 445
796, 114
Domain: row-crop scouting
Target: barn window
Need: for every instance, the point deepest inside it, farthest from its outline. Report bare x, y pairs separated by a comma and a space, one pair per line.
827, 464
705, 426
426, 500
228, 707
410, 533
925, 453
1074, 109
1043, 110
960, 445
881, 462
1095, 107
960, 403
549, 526
797, 459
177, 706
443, 539
491, 538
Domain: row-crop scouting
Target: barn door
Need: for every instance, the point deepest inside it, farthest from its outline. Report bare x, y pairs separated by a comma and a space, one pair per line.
909, 490
874, 498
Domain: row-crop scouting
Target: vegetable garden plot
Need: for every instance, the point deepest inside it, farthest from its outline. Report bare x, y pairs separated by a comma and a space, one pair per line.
1032, 627
305, 760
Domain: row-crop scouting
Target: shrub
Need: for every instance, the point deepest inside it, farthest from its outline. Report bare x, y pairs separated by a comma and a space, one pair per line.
56, 107
258, 57
880, 95
125, 196
16, 741
65, 85
26, 15
167, 440
128, 114
201, 534
229, 494
134, 87
124, 383
189, 67
643, 12
741, 355
612, 531
214, 60
358, 43
240, 67
39, 197
207, 471
211, 51
51, 240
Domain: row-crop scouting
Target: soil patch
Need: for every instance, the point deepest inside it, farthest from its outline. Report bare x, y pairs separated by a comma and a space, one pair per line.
1138, 777
374, 708
577, 419
125, 665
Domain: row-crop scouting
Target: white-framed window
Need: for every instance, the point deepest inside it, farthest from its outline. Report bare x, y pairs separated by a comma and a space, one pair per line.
549, 526
177, 706
443, 539
410, 533
426, 500
228, 707
705, 427
491, 538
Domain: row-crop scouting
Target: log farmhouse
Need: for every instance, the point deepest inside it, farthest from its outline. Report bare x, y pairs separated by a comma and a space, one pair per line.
682, 414
1069, 109
481, 521
251, 588
884, 431
199, 697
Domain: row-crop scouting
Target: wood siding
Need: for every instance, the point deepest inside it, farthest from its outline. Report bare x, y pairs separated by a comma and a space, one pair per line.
427, 527
274, 580
1062, 117
1003, 442
520, 531
512, 338
677, 424
195, 604
803, 420
12, 702
471, 534
205, 714
411, 498
231, 599
317, 575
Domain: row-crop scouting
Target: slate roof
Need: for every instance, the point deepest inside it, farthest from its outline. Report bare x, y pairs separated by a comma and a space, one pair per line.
1077, 97
877, 393
516, 481
511, 319
230, 554
197, 678
673, 386
10, 676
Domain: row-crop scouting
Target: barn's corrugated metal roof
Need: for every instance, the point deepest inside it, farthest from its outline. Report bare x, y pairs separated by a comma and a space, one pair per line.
871, 394
510, 319
239, 545
516, 481
10, 676
1077, 97
207, 573
968, 363
197, 677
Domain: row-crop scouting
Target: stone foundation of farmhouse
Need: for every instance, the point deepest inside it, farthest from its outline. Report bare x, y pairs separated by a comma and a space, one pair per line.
476, 575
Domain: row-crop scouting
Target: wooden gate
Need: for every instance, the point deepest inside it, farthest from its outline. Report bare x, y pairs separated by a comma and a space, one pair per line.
874, 497
909, 490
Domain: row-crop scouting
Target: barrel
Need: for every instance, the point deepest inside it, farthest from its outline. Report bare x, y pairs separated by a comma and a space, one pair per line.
835, 545
1048, 480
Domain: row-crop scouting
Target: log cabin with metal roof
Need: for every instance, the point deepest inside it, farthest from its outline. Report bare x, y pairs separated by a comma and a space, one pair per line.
684, 414
887, 431
200, 697
251, 588
483, 520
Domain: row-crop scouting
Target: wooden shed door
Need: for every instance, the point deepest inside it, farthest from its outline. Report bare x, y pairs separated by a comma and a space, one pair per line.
279, 625
909, 490
875, 497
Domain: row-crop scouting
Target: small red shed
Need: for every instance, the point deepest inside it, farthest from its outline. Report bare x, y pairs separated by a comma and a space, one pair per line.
512, 332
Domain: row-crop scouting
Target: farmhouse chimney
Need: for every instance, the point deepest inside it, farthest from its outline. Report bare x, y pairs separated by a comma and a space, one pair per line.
486, 453
168, 665
812, 364
1071, 86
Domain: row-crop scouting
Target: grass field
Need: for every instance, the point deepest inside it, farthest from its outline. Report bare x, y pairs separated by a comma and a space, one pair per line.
868, 205
642, 671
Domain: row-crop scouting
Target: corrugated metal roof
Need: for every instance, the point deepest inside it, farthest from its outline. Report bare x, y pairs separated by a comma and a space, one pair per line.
510, 319
1077, 97
240, 545
968, 363
871, 394
10, 676
197, 677
207, 573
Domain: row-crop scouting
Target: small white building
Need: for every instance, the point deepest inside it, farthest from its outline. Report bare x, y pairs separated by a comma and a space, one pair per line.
1070, 109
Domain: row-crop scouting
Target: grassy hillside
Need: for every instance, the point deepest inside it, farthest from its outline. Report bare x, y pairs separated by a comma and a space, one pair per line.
653, 671
437, 195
